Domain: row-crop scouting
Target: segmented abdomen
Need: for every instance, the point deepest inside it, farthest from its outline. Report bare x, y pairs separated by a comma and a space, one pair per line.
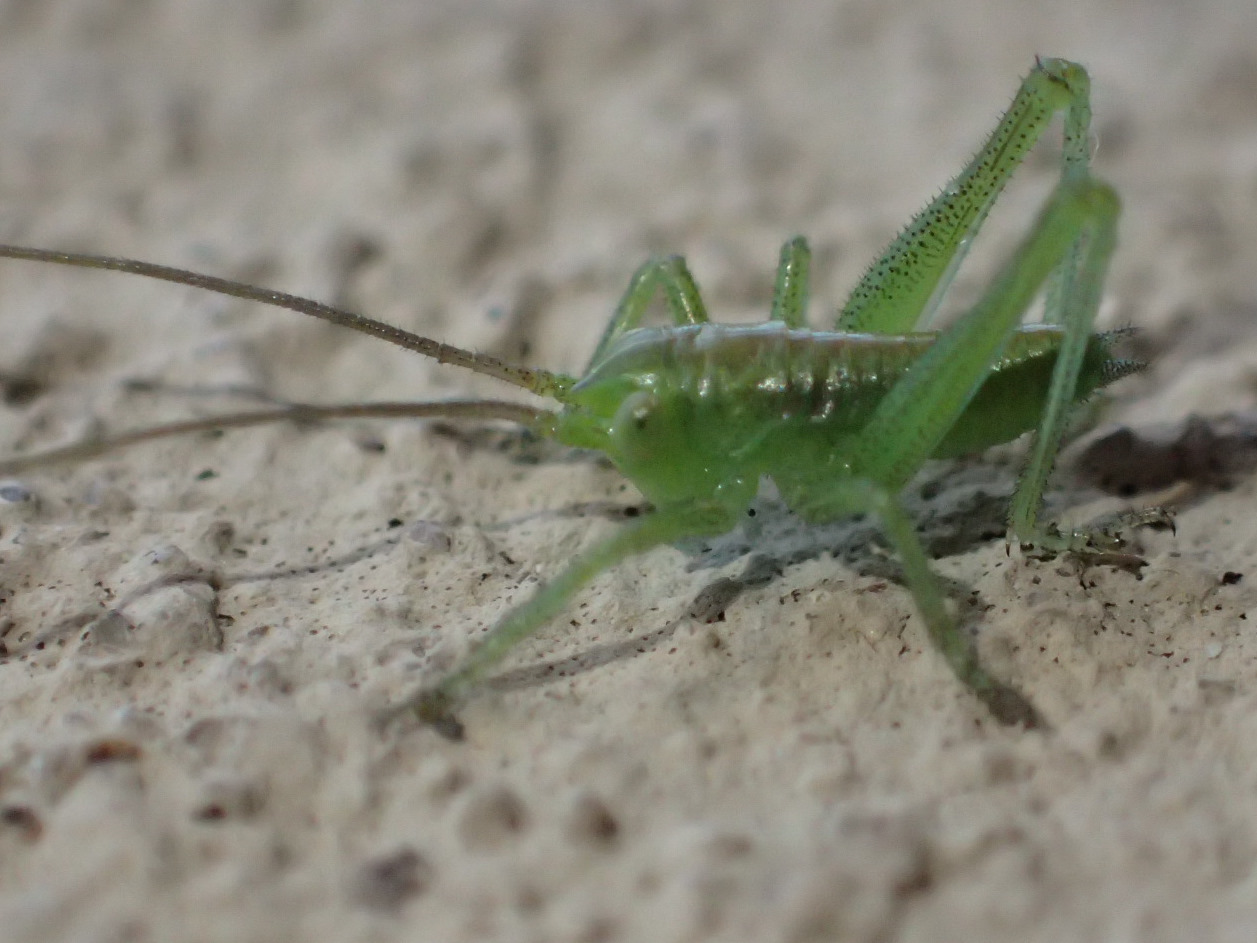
771, 371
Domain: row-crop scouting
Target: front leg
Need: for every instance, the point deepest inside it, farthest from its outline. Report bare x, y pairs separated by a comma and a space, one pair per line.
435, 704
680, 293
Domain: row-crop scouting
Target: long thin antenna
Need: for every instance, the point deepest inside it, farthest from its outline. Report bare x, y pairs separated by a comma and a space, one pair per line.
541, 382
540, 421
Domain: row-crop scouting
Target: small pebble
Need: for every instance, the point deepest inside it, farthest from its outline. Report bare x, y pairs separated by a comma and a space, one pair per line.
14, 492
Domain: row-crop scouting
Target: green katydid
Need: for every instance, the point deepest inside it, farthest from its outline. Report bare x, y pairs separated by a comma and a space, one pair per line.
695, 414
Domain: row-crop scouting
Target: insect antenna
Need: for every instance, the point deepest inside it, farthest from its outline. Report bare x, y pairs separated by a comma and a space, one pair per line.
540, 421
541, 382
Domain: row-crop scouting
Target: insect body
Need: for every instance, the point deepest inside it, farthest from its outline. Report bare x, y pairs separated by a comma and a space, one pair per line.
709, 405
697, 413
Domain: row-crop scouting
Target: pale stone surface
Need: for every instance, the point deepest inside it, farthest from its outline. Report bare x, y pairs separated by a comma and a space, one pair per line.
206, 763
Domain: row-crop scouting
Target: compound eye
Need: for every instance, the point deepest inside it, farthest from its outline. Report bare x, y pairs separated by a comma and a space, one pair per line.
640, 414
634, 415
640, 430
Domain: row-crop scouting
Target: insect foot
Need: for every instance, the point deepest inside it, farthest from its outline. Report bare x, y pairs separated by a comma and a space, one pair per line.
1102, 543
1012, 708
435, 708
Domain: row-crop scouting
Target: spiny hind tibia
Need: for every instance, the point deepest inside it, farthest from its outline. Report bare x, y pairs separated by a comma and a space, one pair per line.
696, 413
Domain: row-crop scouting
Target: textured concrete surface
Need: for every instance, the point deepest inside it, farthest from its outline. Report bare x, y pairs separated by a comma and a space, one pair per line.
202, 635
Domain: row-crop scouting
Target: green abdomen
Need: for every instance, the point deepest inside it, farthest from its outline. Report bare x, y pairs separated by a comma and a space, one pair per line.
764, 395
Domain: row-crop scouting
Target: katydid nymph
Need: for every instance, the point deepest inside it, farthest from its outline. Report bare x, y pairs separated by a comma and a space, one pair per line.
695, 414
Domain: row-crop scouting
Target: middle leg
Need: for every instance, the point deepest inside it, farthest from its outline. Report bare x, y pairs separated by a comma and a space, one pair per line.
790, 294
664, 526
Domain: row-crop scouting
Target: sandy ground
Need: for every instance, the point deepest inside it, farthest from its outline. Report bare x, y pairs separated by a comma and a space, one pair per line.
203, 635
